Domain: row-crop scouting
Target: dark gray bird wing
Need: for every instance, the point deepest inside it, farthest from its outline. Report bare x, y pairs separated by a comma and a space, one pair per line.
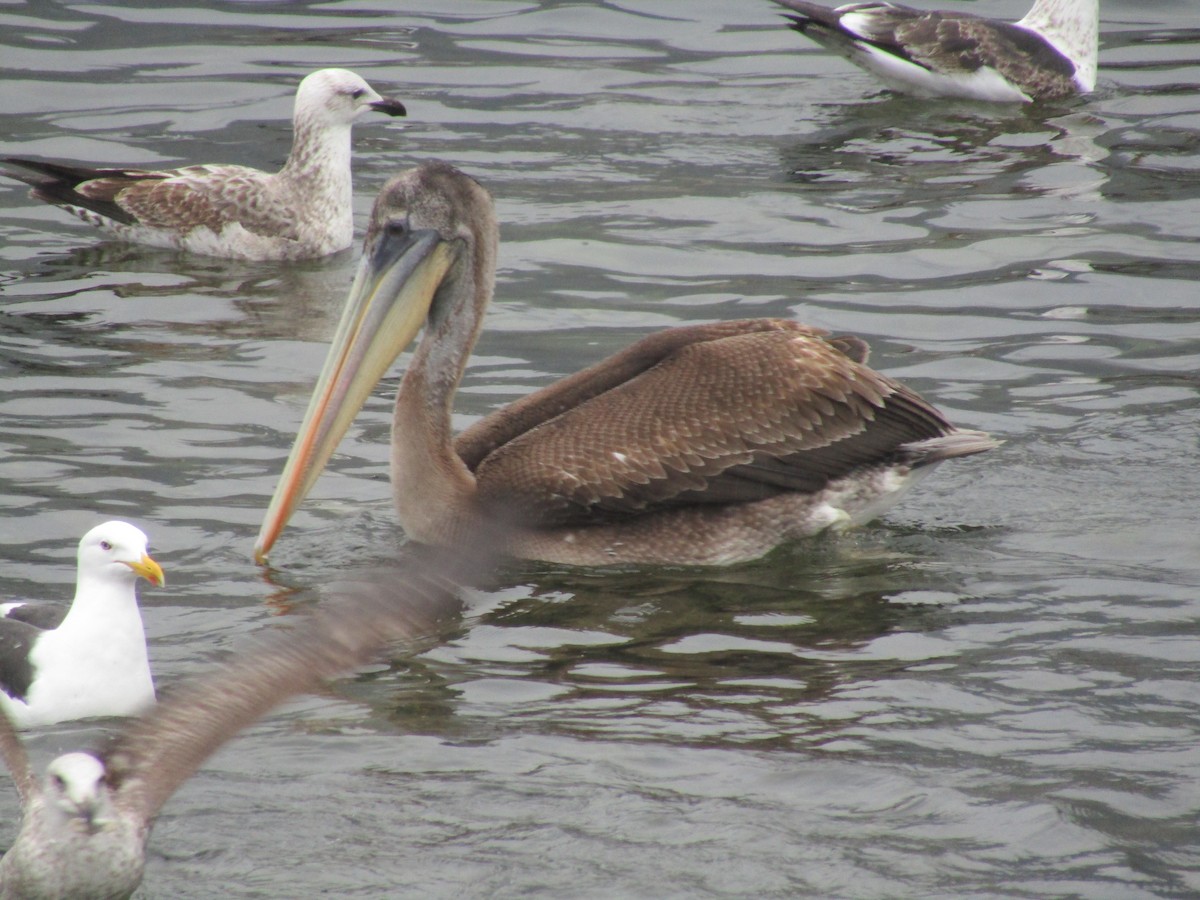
151, 758
16, 669
41, 615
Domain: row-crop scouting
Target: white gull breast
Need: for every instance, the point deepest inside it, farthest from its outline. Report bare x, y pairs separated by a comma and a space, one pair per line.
91, 659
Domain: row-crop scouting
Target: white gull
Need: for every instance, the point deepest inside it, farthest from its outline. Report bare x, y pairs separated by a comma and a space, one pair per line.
302, 211
92, 661
1050, 54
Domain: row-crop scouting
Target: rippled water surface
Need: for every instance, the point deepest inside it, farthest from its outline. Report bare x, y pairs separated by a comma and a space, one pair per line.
991, 692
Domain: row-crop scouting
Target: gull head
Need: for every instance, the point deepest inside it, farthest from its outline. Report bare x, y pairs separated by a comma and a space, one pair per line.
116, 551
76, 791
339, 97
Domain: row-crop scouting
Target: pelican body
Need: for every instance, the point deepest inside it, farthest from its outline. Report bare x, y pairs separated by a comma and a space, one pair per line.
701, 445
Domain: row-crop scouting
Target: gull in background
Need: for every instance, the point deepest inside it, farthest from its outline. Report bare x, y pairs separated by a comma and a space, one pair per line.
302, 211
1050, 54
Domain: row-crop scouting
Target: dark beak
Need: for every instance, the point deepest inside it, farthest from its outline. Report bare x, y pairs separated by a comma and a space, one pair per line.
390, 107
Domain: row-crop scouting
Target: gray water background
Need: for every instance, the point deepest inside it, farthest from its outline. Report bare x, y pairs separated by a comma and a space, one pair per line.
990, 693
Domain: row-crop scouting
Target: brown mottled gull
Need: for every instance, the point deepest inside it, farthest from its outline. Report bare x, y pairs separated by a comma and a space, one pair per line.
302, 211
84, 827
1048, 55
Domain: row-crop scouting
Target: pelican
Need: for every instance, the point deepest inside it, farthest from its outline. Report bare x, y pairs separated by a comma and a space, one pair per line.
701, 445
84, 827
1050, 54
302, 211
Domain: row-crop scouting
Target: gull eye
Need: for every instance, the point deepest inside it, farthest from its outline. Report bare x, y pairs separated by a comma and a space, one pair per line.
105, 545
58, 782
357, 94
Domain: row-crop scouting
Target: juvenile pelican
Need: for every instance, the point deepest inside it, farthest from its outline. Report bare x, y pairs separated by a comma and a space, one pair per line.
302, 211
706, 444
1048, 55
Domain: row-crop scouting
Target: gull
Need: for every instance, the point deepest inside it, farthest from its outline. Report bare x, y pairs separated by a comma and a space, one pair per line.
85, 825
302, 211
90, 659
1048, 55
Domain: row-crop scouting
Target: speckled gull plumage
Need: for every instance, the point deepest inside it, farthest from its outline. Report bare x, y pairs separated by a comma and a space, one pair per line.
1050, 54
302, 211
89, 660
84, 827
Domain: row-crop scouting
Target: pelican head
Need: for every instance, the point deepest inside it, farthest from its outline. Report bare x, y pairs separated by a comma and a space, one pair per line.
430, 241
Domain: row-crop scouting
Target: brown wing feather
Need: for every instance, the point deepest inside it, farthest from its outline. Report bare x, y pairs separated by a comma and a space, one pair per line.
959, 42
158, 752
521, 416
203, 196
718, 421
12, 751
903, 418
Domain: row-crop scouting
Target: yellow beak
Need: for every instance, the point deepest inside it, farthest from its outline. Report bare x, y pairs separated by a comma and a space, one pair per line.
396, 282
148, 569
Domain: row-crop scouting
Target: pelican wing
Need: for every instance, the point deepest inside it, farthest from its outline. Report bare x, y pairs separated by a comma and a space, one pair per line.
736, 418
519, 417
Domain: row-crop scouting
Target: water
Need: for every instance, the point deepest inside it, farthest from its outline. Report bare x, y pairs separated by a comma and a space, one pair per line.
990, 693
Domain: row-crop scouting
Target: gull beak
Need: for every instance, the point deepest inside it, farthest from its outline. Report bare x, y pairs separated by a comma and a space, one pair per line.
148, 569
388, 107
400, 272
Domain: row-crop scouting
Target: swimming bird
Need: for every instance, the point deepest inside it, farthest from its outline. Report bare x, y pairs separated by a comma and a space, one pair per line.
302, 211
89, 660
704, 444
1048, 55
84, 828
